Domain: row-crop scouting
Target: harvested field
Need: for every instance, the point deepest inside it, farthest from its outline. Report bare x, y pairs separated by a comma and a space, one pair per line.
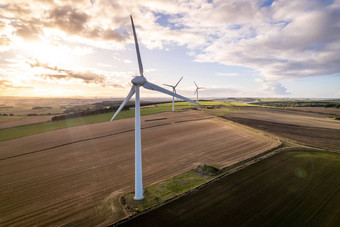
68, 176
307, 128
321, 110
296, 188
27, 120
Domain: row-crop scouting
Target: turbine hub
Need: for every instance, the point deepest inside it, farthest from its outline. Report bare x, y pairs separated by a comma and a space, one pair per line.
139, 80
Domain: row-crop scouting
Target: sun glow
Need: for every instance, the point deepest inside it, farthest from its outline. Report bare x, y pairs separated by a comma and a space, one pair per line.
54, 54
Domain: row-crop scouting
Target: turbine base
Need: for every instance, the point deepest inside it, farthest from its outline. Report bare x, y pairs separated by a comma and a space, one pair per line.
138, 198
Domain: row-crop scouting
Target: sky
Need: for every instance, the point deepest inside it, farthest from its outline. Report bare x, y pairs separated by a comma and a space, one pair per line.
234, 48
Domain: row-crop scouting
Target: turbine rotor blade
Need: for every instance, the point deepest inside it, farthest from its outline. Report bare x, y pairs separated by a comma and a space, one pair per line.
196, 91
128, 97
155, 87
168, 85
179, 81
137, 49
195, 84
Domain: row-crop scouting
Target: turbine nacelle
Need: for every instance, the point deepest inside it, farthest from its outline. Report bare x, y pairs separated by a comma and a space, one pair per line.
139, 80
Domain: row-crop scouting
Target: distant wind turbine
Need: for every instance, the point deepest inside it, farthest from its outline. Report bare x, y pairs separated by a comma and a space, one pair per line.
174, 91
196, 91
137, 82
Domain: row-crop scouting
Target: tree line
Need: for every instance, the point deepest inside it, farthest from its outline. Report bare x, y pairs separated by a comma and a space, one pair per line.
87, 113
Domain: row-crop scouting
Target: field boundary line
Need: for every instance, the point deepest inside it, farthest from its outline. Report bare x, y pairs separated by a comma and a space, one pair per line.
207, 118
79, 141
97, 137
225, 172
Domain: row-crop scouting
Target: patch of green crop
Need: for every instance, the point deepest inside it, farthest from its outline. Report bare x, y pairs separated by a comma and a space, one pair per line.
159, 192
316, 155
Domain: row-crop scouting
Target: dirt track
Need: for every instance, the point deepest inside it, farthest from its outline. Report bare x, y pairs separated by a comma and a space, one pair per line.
65, 176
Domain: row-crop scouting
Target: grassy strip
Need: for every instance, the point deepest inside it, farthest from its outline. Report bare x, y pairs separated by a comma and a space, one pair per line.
162, 191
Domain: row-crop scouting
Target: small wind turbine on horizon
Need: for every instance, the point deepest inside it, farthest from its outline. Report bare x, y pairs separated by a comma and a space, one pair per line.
174, 91
137, 82
196, 91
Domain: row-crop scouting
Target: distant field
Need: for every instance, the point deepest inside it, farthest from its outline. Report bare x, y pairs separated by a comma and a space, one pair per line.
321, 110
6, 119
24, 106
14, 121
295, 188
308, 128
26, 130
335, 103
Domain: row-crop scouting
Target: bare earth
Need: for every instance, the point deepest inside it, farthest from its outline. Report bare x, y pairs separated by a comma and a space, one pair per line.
66, 176
312, 129
321, 110
24, 121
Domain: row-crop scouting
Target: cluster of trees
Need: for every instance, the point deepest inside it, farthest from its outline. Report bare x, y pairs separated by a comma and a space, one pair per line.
300, 104
4, 114
87, 113
41, 107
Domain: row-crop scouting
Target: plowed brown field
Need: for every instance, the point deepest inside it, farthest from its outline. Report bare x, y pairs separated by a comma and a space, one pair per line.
65, 176
24, 121
312, 129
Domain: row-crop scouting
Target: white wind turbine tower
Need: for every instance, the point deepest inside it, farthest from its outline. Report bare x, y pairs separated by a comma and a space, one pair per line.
137, 82
174, 91
196, 91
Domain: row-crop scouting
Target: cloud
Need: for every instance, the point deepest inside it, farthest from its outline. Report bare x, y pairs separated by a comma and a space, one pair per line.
4, 40
28, 31
211, 92
273, 87
227, 74
9, 84
293, 39
218, 92
87, 77
67, 19
287, 39
70, 17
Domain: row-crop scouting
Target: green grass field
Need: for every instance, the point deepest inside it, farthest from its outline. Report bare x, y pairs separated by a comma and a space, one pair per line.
162, 191
295, 188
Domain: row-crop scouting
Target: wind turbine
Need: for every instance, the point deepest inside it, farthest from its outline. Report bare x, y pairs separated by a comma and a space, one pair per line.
136, 83
196, 91
174, 91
